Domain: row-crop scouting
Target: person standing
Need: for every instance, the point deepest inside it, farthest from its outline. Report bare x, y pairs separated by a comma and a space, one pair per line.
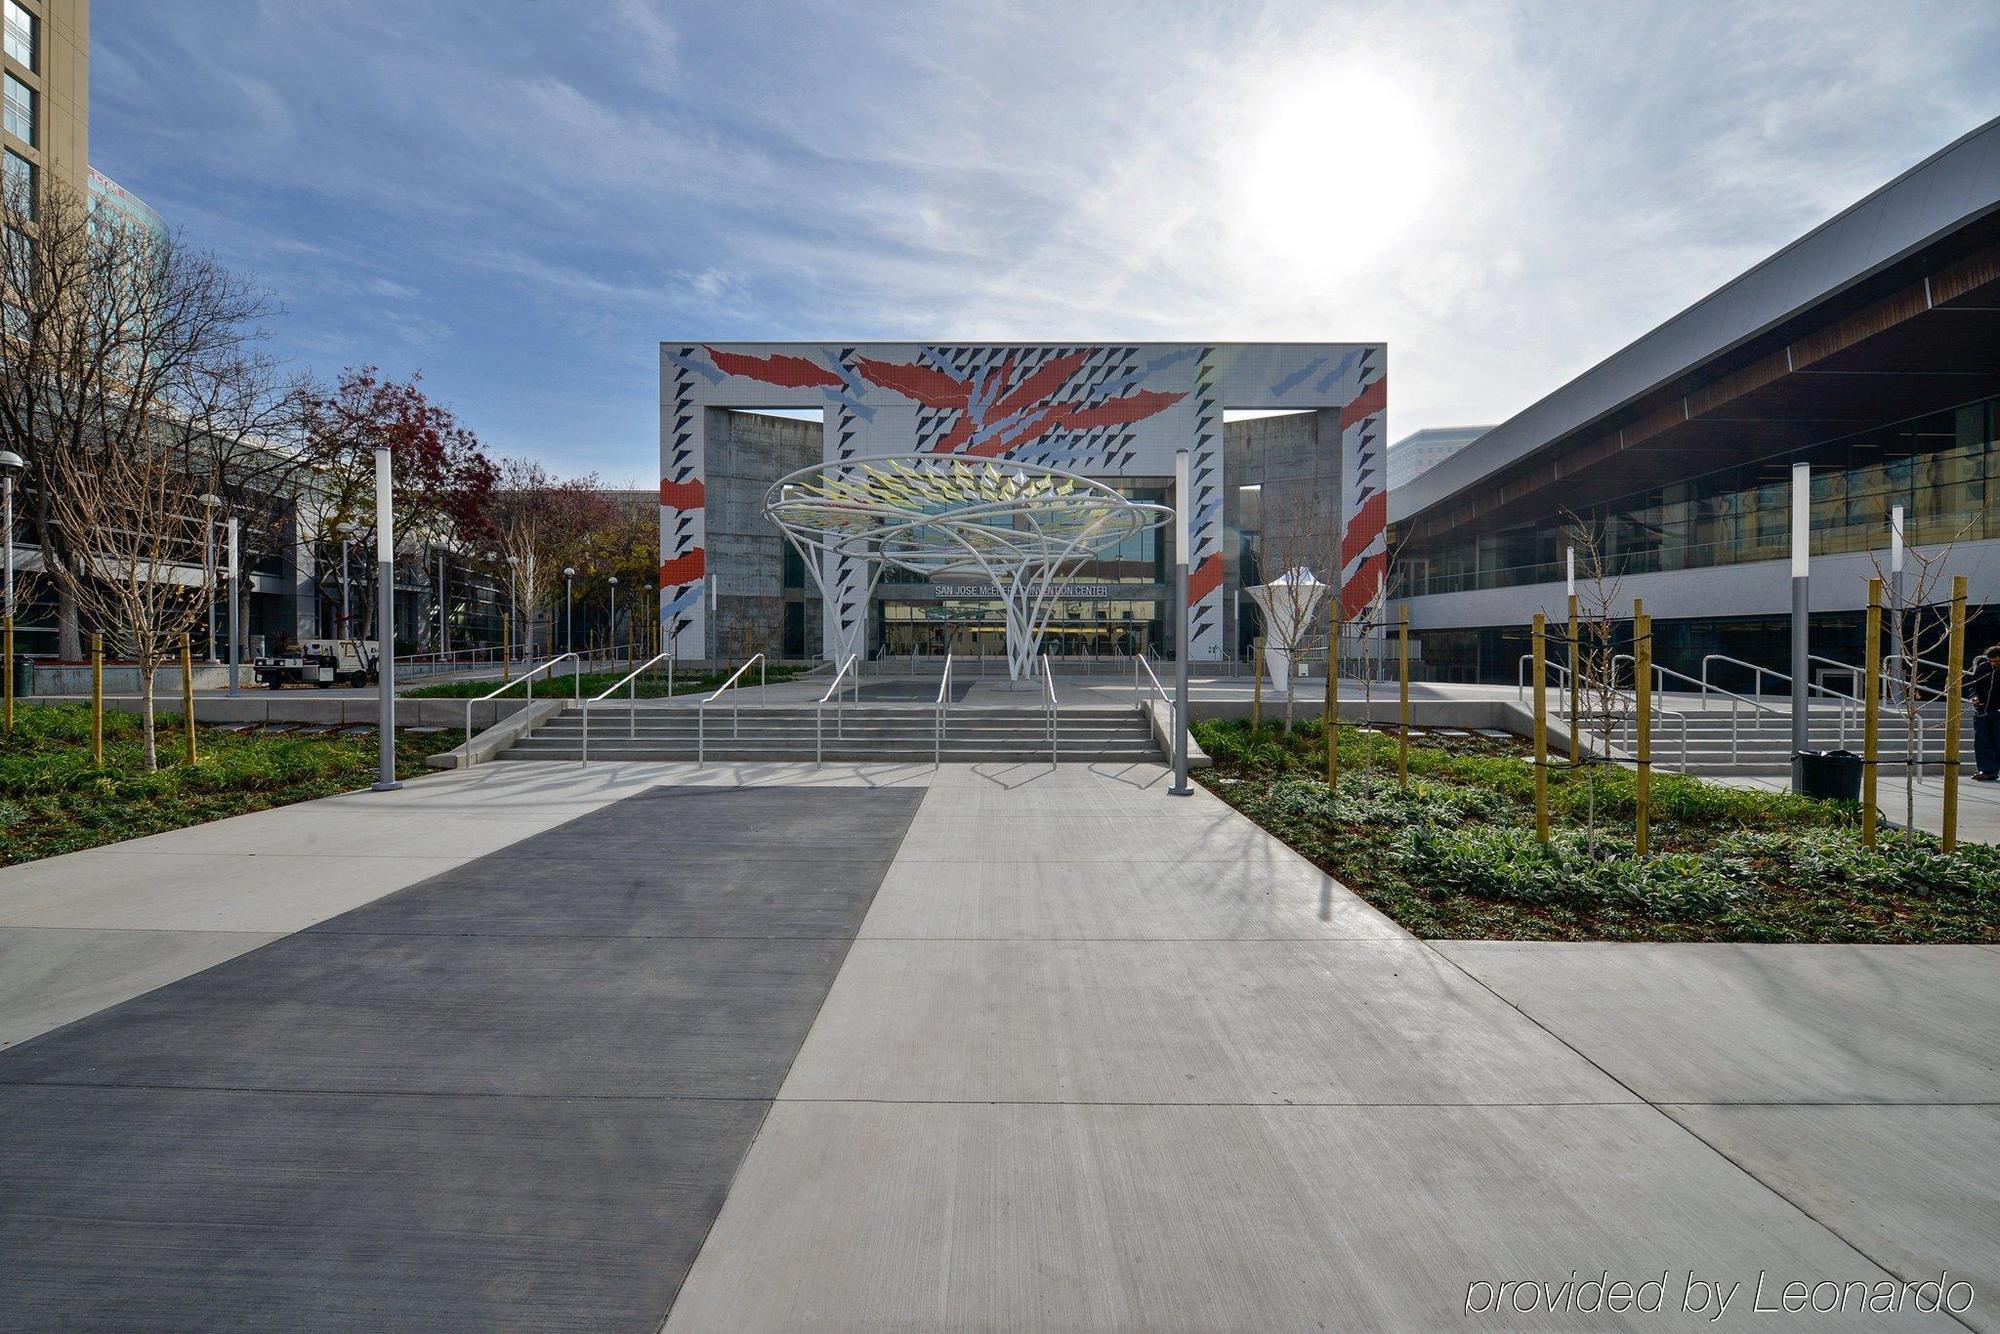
1984, 692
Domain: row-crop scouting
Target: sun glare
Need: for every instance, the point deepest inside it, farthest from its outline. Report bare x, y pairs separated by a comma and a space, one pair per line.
1335, 168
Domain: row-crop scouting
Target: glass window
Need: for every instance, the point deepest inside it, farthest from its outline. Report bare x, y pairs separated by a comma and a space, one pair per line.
20, 183
21, 35
20, 112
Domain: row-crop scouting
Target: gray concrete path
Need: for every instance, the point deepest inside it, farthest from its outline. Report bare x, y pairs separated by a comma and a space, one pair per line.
1099, 1058
1104, 1059
89, 929
511, 1096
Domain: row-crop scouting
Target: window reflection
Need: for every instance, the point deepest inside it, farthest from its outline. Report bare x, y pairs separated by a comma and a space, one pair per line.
1937, 467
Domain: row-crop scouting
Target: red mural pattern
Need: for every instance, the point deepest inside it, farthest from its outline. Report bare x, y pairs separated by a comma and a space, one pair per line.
683, 569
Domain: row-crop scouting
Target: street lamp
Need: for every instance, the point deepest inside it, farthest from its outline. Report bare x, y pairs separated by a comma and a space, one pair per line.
614, 619
1801, 617
10, 464
210, 503
569, 608
514, 596
235, 640
1183, 537
385, 644
347, 532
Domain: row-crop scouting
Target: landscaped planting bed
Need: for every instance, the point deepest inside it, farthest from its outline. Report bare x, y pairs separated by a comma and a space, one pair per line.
1453, 854
53, 798
653, 685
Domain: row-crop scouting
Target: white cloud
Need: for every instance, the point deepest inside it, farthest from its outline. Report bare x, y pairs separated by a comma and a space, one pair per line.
1507, 193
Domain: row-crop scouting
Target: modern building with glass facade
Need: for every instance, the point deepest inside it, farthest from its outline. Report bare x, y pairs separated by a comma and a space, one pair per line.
1869, 349
737, 417
1420, 451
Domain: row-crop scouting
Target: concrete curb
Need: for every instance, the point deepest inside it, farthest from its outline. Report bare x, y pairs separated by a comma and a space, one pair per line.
1157, 715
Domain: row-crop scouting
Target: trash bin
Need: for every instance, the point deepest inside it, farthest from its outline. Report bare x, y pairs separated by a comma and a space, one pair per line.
23, 668
1832, 774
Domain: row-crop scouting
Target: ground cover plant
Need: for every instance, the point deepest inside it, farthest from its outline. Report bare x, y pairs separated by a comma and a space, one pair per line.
653, 685
1453, 855
55, 798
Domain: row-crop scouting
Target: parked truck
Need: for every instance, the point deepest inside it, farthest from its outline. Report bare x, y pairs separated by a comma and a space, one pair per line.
320, 662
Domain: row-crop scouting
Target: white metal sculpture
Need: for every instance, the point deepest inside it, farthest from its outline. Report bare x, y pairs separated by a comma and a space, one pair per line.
1288, 604
1022, 529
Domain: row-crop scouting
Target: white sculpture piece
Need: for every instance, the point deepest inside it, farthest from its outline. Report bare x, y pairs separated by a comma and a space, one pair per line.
1288, 604
1024, 530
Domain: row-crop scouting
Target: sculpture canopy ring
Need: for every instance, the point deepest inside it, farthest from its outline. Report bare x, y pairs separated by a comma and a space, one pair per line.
1024, 529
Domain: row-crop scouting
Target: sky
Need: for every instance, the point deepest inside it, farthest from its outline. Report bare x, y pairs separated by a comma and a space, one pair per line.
521, 199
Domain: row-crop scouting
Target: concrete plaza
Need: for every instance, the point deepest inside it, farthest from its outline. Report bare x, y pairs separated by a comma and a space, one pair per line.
983, 1047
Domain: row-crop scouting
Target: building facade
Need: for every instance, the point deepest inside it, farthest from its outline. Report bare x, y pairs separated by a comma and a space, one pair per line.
1868, 349
1114, 412
1420, 451
45, 67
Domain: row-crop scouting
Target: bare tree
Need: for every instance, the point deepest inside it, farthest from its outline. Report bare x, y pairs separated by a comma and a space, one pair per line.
141, 508
1290, 597
1594, 659
120, 339
1925, 639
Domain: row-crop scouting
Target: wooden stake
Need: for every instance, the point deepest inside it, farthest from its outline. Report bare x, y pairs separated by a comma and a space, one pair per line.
1541, 728
187, 695
1330, 717
1871, 708
1642, 653
97, 699
1257, 685
1403, 700
1953, 715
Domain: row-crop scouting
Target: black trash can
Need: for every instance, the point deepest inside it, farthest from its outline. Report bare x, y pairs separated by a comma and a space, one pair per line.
1832, 774
23, 668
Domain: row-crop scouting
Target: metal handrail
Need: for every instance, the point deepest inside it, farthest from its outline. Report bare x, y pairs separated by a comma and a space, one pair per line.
631, 709
819, 709
528, 677
1847, 702
1049, 687
735, 725
943, 708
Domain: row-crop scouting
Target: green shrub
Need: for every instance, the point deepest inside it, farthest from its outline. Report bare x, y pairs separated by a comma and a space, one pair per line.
1501, 862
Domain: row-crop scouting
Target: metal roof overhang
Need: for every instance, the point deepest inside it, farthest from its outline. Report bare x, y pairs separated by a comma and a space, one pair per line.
1901, 317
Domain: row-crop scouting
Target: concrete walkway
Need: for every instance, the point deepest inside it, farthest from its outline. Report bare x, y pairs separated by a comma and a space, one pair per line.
1099, 1059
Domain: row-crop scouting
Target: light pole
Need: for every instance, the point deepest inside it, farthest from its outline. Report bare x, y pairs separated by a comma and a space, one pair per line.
10, 464
1896, 593
1182, 538
1801, 613
346, 531
211, 503
385, 644
235, 653
514, 600
444, 645
614, 620
569, 608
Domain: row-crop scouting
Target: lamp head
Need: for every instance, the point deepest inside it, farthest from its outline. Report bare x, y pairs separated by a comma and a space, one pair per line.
10, 462
614, 581
569, 571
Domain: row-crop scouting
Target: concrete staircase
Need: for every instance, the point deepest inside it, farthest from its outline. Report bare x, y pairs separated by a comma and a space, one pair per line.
864, 733
1762, 743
